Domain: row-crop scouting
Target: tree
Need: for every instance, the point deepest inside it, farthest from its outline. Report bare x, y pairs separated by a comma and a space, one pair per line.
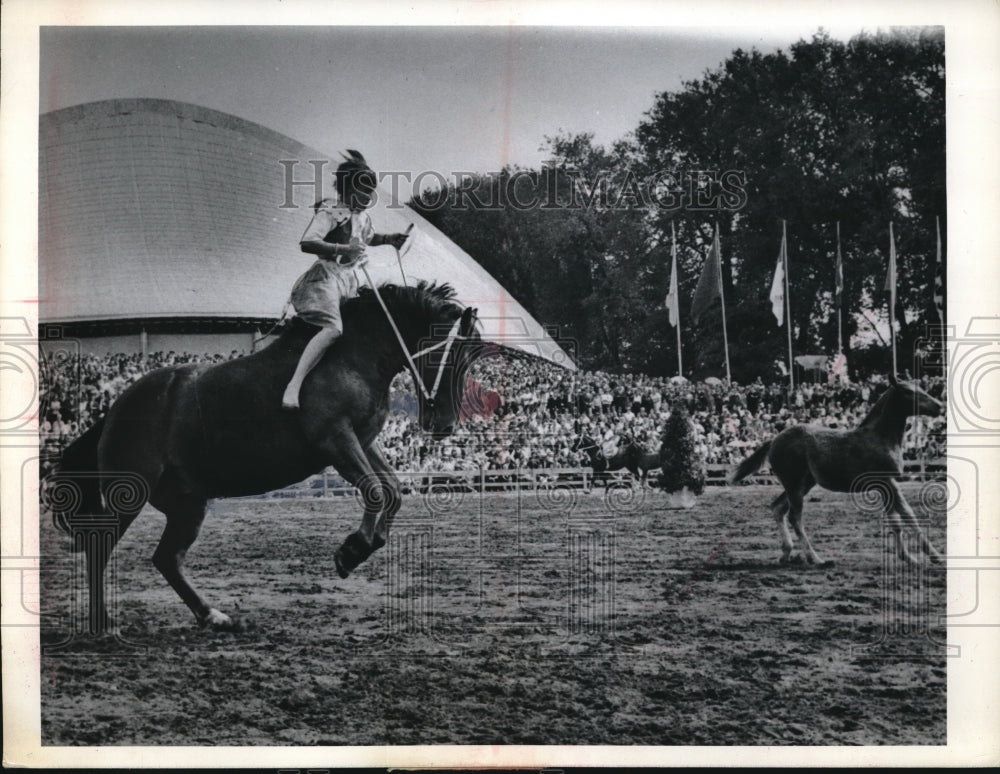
825, 133
681, 465
828, 132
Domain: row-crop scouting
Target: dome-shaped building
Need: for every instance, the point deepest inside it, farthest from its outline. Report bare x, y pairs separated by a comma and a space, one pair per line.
168, 226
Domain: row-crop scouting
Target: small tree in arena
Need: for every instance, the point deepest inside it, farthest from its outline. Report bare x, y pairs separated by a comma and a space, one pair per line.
682, 465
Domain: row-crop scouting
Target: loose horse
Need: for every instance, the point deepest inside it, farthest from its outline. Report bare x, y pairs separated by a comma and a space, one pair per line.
866, 458
185, 434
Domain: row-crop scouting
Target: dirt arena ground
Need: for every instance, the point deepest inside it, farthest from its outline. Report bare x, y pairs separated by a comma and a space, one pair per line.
554, 618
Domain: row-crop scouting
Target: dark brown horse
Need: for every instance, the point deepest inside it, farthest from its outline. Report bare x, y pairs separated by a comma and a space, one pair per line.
185, 434
860, 460
595, 453
639, 461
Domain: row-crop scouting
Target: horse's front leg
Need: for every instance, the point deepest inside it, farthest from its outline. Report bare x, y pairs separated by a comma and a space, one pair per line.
898, 507
351, 461
390, 494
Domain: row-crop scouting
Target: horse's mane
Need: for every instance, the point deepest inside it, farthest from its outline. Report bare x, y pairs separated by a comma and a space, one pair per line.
425, 299
428, 300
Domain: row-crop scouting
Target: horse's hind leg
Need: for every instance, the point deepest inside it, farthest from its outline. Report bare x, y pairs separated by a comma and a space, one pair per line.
779, 507
898, 507
795, 500
184, 520
98, 548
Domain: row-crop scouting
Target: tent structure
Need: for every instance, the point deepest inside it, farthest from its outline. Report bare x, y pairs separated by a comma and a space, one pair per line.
813, 362
156, 213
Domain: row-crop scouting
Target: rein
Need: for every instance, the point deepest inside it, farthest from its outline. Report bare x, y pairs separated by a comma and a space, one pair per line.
592, 446
429, 395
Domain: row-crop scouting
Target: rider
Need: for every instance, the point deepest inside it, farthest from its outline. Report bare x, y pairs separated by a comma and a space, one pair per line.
337, 234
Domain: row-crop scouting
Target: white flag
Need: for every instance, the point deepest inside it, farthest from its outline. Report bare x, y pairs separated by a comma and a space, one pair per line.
778, 290
672, 297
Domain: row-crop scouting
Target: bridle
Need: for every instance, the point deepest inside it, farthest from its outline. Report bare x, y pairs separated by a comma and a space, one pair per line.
447, 343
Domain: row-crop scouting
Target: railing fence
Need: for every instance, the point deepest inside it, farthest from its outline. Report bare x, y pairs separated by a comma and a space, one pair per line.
491, 481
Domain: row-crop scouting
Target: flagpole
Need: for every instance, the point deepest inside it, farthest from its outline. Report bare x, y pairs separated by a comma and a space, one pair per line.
938, 272
892, 298
722, 299
839, 295
940, 302
788, 308
673, 275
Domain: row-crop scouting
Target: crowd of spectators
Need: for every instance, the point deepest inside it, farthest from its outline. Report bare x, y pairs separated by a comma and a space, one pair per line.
76, 391
529, 413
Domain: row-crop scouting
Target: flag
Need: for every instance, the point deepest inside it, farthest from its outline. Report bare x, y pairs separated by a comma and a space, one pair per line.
710, 283
839, 369
890, 280
939, 276
778, 287
890, 277
839, 288
672, 298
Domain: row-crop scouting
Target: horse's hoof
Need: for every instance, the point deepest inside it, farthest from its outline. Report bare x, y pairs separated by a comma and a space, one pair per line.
827, 563
215, 619
342, 571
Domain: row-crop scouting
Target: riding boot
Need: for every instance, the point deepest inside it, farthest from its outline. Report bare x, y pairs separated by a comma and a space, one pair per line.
311, 355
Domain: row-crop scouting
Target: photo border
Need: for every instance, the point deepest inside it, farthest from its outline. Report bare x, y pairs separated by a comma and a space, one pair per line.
973, 114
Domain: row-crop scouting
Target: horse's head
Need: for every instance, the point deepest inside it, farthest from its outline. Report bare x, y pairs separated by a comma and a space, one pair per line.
442, 365
440, 339
913, 396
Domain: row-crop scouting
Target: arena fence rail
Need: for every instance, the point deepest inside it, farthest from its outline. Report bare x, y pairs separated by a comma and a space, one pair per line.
497, 481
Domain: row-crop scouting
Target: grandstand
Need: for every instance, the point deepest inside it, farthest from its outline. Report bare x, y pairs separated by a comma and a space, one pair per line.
528, 435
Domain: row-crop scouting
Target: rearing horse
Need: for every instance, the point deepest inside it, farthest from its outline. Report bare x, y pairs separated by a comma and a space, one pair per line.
867, 457
185, 434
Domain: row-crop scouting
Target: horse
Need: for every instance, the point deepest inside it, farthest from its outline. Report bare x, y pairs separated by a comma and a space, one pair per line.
185, 434
595, 453
639, 461
867, 458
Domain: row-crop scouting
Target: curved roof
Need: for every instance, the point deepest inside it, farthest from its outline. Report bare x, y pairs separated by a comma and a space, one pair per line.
152, 208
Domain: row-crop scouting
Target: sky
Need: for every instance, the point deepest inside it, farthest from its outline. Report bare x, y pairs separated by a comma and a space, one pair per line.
450, 99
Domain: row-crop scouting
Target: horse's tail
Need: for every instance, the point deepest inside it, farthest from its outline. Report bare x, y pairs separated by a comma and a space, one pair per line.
751, 464
75, 487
